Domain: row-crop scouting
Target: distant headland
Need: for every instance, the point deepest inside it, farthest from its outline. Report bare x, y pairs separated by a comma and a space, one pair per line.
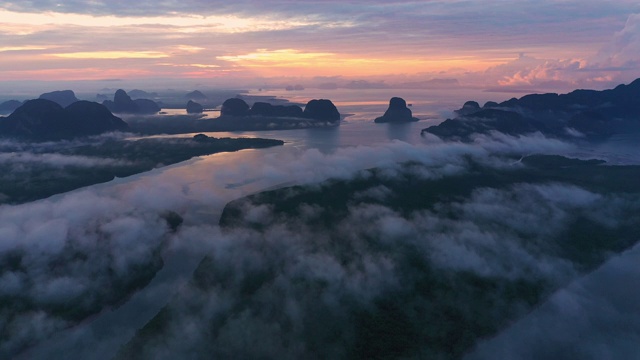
578, 115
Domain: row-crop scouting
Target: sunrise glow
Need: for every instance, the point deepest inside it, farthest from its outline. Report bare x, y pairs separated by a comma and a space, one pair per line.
112, 55
413, 39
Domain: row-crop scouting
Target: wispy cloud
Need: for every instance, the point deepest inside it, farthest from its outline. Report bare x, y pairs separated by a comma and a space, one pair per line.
112, 55
23, 48
360, 38
276, 56
186, 22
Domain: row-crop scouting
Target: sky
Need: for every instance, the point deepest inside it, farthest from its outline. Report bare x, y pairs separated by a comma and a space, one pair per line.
492, 44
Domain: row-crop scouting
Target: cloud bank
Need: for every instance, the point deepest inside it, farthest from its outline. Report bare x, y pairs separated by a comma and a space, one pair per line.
122, 220
595, 317
294, 290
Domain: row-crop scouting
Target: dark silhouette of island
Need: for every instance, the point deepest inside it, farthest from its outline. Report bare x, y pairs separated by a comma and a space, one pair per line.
141, 94
260, 108
196, 95
234, 107
123, 104
468, 108
581, 114
63, 97
237, 115
42, 119
322, 110
194, 107
398, 112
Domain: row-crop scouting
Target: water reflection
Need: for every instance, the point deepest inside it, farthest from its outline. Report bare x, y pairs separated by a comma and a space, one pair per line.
398, 131
620, 149
327, 140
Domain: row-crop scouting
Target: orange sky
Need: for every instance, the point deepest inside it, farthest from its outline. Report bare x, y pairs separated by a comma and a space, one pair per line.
481, 42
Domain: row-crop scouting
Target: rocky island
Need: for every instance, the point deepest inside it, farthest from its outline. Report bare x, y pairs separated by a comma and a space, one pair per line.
42, 119
9, 106
579, 115
123, 104
62, 97
194, 107
236, 114
196, 95
398, 112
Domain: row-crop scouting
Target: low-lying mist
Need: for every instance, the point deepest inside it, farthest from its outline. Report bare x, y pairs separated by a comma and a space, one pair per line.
369, 276
284, 287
